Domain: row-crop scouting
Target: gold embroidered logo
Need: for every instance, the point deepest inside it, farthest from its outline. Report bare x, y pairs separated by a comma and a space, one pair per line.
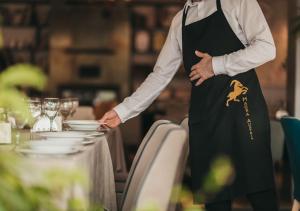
238, 89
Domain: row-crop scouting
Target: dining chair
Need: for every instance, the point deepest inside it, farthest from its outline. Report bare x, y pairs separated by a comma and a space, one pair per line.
123, 188
277, 140
158, 170
185, 124
291, 127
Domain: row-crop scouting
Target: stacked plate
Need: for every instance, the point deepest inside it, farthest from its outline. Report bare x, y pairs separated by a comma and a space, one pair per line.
51, 147
83, 137
84, 125
65, 142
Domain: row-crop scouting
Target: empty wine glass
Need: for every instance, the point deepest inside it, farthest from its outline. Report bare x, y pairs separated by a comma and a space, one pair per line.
66, 106
50, 109
75, 102
35, 107
19, 121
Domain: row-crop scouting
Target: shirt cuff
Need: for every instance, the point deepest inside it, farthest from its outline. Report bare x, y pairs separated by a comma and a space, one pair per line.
122, 112
218, 65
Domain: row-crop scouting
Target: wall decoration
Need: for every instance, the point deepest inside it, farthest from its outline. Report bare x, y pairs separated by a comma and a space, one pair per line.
142, 41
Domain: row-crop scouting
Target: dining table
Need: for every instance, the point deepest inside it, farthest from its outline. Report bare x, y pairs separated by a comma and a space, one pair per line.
94, 160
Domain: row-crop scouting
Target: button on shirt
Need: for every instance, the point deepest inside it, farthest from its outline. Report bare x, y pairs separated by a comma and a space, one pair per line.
248, 23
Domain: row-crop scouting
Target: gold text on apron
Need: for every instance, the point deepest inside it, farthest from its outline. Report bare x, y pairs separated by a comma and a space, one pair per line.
247, 115
240, 90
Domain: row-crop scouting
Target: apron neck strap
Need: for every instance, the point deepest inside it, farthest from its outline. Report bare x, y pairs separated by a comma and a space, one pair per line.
219, 7
186, 9
184, 15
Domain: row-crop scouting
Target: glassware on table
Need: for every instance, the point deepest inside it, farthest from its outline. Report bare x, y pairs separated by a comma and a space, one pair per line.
66, 106
50, 108
20, 122
75, 102
35, 107
5, 127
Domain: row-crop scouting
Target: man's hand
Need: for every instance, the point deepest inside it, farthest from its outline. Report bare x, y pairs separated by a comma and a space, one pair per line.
110, 119
203, 70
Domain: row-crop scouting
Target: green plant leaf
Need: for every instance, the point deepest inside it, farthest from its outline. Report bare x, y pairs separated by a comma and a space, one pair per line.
22, 75
15, 101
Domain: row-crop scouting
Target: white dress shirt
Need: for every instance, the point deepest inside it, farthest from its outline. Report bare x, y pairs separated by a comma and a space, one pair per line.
248, 23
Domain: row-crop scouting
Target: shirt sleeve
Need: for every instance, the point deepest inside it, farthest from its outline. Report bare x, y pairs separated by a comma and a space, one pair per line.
260, 48
167, 64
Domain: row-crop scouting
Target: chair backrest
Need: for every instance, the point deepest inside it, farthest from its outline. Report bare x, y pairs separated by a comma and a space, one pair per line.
185, 124
159, 169
277, 140
291, 127
138, 154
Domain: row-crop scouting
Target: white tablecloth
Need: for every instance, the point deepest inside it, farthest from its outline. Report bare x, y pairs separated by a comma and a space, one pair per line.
116, 147
95, 160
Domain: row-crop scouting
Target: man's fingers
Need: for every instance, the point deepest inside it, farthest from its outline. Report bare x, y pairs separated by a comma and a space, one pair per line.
105, 126
194, 67
111, 123
200, 81
197, 76
108, 115
103, 119
200, 54
194, 72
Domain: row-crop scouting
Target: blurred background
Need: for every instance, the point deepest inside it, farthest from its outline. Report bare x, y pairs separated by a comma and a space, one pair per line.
101, 50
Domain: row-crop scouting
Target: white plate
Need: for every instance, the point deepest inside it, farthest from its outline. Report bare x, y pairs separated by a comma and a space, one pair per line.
49, 151
67, 139
83, 122
95, 134
87, 142
54, 144
64, 134
85, 127
102, 129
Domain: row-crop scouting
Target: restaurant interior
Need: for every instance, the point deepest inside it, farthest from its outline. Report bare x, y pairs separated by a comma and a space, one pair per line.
93, 54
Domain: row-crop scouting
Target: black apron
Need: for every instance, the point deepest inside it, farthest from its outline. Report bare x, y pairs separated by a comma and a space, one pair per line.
227, 115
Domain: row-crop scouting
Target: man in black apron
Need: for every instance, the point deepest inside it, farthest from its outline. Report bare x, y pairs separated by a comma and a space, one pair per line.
227, 116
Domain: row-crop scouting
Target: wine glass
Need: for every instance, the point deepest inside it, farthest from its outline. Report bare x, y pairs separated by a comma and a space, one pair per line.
66, 106
35, 107
75, 102
50, 109
19, 122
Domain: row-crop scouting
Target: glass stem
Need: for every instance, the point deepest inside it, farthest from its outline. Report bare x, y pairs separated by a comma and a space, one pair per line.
17, 137
51, 124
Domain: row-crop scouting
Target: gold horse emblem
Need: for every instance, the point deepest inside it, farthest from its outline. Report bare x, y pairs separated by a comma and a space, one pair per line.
238, 89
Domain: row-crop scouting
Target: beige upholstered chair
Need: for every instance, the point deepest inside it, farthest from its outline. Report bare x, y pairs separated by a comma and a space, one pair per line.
143, 144
158, 170
123, 188
185, 124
